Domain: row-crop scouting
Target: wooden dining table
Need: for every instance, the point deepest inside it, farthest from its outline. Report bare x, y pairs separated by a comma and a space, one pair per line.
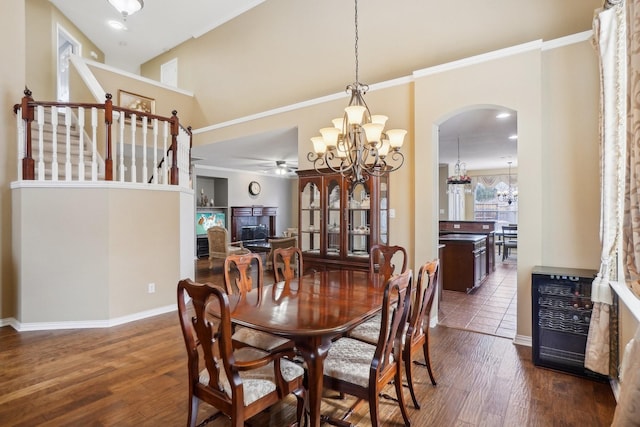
311, 311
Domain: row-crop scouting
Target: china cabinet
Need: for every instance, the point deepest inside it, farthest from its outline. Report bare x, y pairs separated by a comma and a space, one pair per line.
340, 221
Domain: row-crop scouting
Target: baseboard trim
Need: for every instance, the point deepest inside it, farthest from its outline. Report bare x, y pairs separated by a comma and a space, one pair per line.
523, 340
86, 324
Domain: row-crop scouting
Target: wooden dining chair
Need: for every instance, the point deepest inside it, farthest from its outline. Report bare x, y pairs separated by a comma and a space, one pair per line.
239, 383
287, 263
382, 260
509, 240
283, 242
362, 369
417, 331
239, 273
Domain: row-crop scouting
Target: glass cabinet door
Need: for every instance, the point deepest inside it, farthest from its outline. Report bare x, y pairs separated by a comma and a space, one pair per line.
334, 217
310, 217
359, 221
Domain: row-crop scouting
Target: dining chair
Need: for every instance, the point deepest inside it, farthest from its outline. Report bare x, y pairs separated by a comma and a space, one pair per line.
382, 259
509, 240
362, 369
239, 273
287, 263
239, 383
417, 331
380, 262
219, 245
284, 242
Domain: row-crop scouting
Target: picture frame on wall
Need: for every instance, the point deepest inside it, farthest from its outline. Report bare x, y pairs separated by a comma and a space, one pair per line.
136, 102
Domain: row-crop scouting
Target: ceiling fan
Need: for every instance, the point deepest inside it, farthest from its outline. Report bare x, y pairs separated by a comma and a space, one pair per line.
282, 168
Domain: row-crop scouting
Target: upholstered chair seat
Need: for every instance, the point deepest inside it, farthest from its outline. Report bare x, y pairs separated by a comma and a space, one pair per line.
350, 360
259, 382
259, 339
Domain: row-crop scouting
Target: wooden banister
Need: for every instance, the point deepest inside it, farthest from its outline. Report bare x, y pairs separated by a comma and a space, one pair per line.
27, 109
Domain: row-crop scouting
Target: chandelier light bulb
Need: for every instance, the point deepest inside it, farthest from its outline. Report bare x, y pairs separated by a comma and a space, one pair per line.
355, 114
319, 147
379, 118
396, 138
330, 136
373, 131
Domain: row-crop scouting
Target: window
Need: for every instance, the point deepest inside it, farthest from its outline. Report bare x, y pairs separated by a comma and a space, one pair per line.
488, 205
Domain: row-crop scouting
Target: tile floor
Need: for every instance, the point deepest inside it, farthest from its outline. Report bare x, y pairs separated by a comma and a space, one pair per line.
490, 309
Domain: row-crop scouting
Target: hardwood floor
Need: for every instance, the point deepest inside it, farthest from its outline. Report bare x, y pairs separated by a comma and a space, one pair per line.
136, 374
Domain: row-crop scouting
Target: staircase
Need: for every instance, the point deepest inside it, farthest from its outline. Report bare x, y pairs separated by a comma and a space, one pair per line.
60, 141
64, 156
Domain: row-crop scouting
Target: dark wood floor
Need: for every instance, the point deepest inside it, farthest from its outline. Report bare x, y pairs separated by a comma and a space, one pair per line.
135, 374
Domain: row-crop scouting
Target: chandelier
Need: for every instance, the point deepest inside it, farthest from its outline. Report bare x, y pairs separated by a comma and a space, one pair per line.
459, 180
510, 195
356, 145
127, 7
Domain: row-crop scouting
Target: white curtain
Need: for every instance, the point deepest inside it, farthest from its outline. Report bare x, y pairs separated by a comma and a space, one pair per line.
610, 42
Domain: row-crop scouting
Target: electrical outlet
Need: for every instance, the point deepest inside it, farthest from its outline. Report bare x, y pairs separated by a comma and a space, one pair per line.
151, 288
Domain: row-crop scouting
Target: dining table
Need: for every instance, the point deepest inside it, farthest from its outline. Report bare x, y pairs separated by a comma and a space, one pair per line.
311, 310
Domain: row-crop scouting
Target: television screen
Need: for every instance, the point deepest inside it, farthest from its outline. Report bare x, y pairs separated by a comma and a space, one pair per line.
205, 220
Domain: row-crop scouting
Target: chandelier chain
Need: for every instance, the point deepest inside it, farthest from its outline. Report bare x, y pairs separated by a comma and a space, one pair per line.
357, 146
356, 40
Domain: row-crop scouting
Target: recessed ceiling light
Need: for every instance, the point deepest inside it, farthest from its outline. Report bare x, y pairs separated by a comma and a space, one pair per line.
116, 25
513, 137
503, 115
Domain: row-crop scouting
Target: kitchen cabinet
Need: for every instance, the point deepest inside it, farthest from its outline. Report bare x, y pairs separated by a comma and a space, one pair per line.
465, 261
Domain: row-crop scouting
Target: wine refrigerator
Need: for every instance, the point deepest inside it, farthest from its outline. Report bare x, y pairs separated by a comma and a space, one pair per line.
561, 310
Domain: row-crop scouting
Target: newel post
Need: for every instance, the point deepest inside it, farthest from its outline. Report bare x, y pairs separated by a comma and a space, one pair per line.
175, 127
28, 165
108, 119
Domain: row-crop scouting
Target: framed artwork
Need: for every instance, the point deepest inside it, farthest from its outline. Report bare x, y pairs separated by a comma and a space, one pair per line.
136, 102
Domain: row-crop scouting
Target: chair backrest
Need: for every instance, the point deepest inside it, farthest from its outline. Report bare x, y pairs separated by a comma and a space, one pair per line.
421, 307
287, 263
285, 242
238, 270
198, 329
381, 260
218, 241
393, 319
510, 231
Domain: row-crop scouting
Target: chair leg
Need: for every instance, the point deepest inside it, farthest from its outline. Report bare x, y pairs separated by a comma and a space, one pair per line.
409, 374
399, 392
427, 359
301, 407
193, 411
374, 408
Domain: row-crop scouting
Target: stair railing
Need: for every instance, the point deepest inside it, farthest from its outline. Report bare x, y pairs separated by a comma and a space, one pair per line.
161, 138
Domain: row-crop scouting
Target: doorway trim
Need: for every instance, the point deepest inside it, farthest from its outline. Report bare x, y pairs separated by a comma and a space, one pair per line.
63, 38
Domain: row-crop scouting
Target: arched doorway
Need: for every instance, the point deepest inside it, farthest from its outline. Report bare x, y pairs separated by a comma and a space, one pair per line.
478, 184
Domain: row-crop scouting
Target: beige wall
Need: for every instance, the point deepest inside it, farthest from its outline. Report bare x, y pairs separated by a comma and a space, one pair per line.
287, 51
12, 77
43, 19
112, 243
513, 82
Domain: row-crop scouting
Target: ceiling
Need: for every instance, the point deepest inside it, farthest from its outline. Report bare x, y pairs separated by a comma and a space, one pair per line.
147, 34
484, 142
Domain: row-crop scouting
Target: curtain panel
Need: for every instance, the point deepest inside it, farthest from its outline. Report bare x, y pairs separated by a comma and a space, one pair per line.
610, 42
628, 408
